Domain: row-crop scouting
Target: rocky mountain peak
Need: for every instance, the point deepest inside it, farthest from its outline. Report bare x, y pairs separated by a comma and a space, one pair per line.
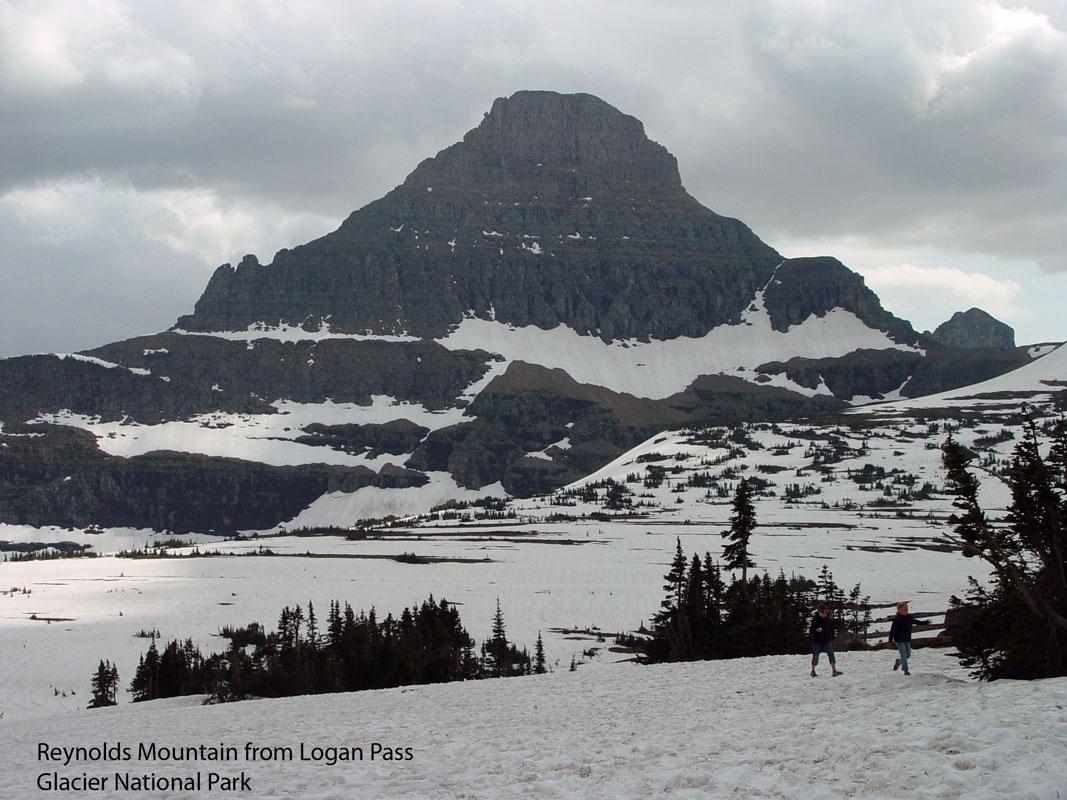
556, 209
549, 147
579, 132
974, 328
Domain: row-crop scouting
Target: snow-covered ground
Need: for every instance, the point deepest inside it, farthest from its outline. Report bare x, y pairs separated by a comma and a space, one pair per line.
658, 369
867, 503
556, 563
758, 728
267, 438
1038, 378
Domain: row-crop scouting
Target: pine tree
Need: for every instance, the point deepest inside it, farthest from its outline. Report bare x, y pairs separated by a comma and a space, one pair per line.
673, 636
105, 683
313, 627
674, 586
145, 683
742, 523
539, 656
334, 625
714, 591
497, 649
859, 618
826, 584
694, 591
1017, 629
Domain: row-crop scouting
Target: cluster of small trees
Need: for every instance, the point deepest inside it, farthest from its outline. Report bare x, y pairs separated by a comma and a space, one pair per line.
1017, 628
425, 644
702, 616
104, 685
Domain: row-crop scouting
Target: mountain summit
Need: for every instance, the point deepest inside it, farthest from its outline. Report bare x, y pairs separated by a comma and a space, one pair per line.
528, 304
556, 209
974, 328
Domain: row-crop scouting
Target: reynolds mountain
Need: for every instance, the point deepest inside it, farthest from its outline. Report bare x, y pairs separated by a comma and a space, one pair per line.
529, 303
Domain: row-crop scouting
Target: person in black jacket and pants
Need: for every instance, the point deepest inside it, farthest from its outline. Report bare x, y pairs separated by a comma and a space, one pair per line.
822, 631
900, 635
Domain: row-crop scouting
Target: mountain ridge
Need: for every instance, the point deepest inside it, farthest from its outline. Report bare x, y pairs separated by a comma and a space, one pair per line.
545, 280
556, 209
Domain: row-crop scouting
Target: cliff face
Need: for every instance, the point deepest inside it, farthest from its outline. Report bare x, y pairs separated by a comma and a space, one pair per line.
974, 328
556, 209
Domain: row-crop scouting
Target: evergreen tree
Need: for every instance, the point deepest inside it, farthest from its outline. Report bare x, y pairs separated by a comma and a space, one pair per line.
674, 585
313, 626
145, 683
539, 667
236, 668
713, 622
694, 590
672, 624
859, 616
105, 684
826, 585
497, 649
742, 523
424, 644
714, 591
1018, 628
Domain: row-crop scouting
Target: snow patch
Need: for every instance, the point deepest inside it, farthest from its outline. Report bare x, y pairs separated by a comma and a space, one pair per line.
267, 438
101, 363
562, 444
1038, 350
283, 332
659, 368
1047, 373
338, 509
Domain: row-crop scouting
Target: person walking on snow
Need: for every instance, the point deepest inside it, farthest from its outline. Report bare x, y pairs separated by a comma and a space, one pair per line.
900, 635
822, 631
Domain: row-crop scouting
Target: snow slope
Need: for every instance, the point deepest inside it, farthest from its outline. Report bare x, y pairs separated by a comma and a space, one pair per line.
756, 728
658, 369
283, 332
270, 438
1043, 375
558, 562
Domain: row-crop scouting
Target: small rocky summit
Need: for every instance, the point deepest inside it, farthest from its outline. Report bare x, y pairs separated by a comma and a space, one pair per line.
974, 329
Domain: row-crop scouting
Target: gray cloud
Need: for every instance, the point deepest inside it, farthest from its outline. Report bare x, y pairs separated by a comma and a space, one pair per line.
143, 145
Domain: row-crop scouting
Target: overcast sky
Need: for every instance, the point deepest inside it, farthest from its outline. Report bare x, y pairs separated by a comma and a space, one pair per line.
142, 143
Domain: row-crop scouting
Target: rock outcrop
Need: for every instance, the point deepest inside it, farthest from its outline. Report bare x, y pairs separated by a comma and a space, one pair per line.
974, 328
557, 209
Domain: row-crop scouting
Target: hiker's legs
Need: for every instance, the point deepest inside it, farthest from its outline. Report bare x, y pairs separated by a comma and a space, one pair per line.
904, 648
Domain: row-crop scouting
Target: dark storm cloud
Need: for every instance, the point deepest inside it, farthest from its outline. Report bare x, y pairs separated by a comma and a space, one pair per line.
876, 120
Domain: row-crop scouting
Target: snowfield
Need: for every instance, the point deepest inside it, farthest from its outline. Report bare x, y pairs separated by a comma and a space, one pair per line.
757, 728
866, 503
1046, 374
658, 369
577, 566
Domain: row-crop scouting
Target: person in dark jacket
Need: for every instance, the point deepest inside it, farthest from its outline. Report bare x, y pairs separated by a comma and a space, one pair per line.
822, 632
900, 635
